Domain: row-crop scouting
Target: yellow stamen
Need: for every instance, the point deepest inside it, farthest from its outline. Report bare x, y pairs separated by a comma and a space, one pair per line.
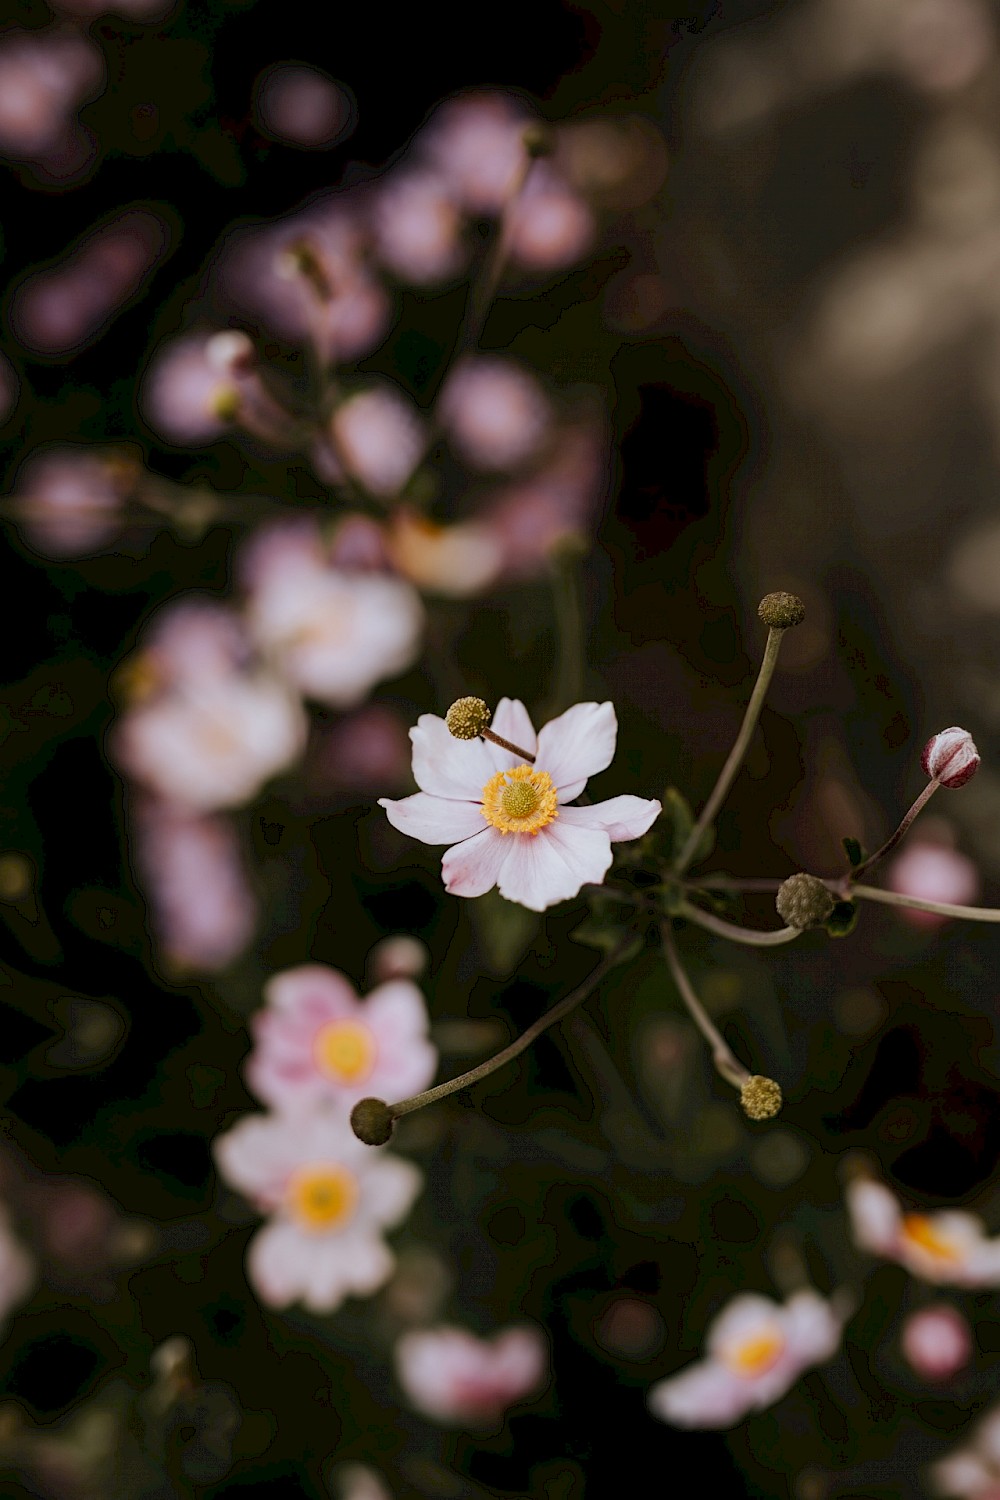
920, 1229
520, 801
755, 1355
345, 1051
321, 1196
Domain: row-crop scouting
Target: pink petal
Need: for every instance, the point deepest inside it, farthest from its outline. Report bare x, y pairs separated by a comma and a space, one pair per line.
473, 868
704, 1395
511, 722
554, 864
620, 817
446, 767
432, 819
579, 743
292, 988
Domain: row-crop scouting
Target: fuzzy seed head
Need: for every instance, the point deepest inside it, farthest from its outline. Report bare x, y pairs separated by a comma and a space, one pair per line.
781, 611
467, 717
760, 1097
803, 901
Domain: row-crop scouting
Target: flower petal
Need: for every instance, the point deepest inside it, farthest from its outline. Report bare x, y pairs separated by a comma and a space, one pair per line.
579, 743
620, 817
433, 820
446, 767
554, 864
472, 868
315, 983
511, 722
706, 1394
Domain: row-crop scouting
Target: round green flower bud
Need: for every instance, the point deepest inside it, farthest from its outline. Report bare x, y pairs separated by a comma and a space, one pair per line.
803, 901
372, 1122
781, 611
760, 1097
467, 717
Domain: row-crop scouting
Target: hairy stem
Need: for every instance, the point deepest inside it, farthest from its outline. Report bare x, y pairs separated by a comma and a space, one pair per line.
736, 934
727, 1065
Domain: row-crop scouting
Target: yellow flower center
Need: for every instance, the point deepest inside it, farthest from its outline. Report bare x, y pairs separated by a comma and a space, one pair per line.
755, 1355
920, 1229
520, 801
321, 1196
345, 1051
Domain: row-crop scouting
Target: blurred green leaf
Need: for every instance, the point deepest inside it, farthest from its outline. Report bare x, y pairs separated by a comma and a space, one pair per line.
842, 919
853, 850
504, 931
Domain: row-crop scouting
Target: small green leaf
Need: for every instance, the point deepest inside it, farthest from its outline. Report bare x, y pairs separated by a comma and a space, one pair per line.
842, 919
677, 821
855, 853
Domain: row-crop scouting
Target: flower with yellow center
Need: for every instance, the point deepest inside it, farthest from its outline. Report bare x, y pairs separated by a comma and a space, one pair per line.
947, 1247
521, 800
345, 1051
919, 1229
755, 1354
476, 791
321, 1196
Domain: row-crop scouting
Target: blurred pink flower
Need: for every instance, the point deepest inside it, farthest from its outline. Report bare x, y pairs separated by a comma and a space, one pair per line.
70, 304
316, 1042
936, 1341
458, 561
379, 437
301, 106
757, 1349
549, 225
417, 227
200, 386
202, 910
44, 78
331, 632
457, 1379
329, 1198
306, 277
972, 1472
555, 506
68, 500
947, 1248
535, 847
211, 743
494, 412
933, 871
17, 1268
192, 639
476, 143
398, 957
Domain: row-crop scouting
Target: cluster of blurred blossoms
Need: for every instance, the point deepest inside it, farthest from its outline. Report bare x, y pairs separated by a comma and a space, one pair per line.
329, 1200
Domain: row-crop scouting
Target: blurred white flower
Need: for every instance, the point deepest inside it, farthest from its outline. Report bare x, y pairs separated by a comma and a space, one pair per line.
417, 227
757, 1349
494, 412
460, 1380
948, 1248
972, 1472
379, 437
316, 1042
936, 1341
329, 1198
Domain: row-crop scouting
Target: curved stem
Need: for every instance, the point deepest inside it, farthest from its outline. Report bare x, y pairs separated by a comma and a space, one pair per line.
507, 1054
497, 739
736, 754
721, 882
736, 934
890, 843
727, 1064
942, 908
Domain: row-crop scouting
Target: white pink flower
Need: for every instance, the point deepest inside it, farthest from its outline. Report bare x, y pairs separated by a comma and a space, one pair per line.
458, 1379
972, 1472
936, 1341
495, 413
379, 438
757, 1349
328, 1198
932, 870
202, 910
417, 227
951, 757
69, 499
198, 386
534, 847
947, 1248
44, 78
459, 560
316, 1041
476, 143
549, 225
211, 743
332, 632
301, 105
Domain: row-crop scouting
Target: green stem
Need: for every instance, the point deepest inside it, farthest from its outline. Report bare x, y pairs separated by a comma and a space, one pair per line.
516, 1047
736, 754
726, 1063
941, 908
890, 843
735, 934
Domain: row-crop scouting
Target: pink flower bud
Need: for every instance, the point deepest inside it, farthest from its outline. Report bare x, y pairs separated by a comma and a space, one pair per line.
951, 757
936, 1342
